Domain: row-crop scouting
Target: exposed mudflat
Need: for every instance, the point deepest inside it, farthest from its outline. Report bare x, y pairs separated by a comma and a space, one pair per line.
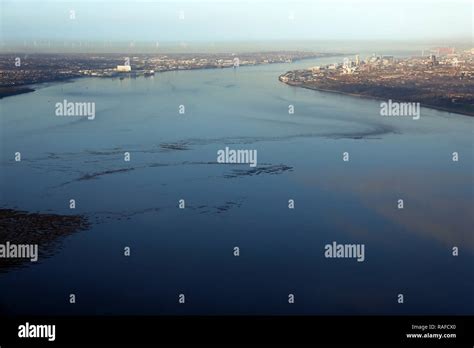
45, 230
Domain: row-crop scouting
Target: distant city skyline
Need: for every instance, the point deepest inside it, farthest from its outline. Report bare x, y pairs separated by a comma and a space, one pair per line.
232, 20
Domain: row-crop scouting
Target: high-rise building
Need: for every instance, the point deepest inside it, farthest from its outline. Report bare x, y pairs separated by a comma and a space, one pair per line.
346, 63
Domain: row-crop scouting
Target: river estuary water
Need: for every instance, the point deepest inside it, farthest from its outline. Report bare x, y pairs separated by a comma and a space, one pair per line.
190, 251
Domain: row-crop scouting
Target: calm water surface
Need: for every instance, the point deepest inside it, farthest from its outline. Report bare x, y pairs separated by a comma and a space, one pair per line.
190, 251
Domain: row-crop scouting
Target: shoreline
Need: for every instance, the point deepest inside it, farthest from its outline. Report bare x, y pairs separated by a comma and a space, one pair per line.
6, 92
9, 91
428, 106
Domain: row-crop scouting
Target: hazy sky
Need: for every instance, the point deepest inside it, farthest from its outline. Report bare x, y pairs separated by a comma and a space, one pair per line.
224, 20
